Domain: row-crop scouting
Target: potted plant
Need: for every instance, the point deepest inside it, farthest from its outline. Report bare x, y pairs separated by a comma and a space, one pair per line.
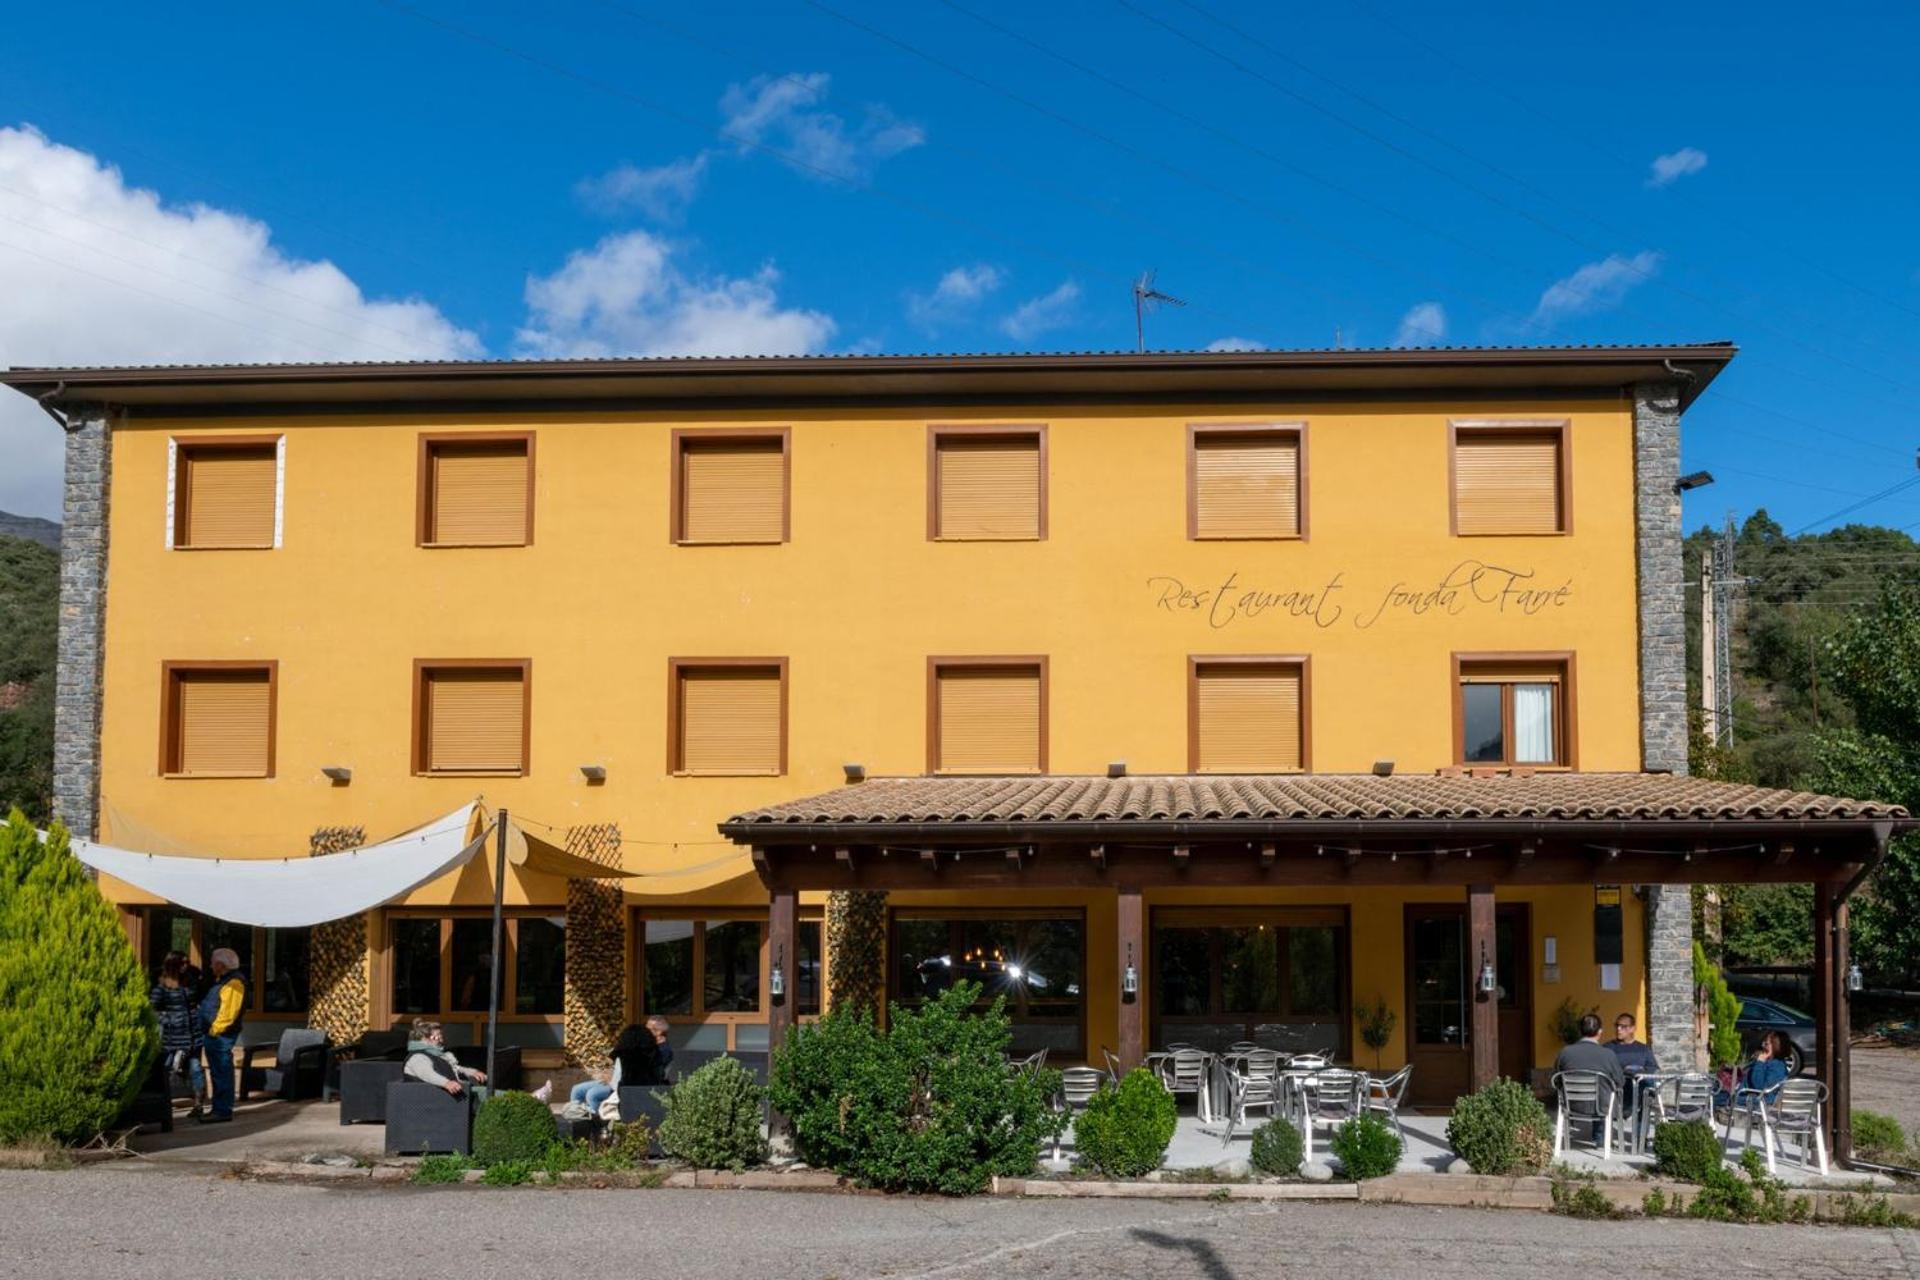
1376, 1026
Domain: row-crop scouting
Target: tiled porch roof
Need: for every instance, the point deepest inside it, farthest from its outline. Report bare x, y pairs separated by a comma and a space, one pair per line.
1308, 798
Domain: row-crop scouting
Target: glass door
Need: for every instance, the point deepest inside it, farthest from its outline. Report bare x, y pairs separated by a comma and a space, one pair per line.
1439, 1009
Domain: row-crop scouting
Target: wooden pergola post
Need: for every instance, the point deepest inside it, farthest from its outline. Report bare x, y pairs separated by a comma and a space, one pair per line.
1486, 1005
1132, 951
1840, 1097
783, 912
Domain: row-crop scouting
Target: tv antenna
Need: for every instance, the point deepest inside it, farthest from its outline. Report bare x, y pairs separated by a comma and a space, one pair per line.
1144, 296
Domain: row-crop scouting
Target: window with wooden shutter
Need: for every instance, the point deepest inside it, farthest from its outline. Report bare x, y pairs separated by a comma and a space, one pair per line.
1509, 480
1249, 717
217, 721
1514, 710
731, 488
988, 486
729, 718
473, 718
989, 717
1246, 484
225, 495
476, 491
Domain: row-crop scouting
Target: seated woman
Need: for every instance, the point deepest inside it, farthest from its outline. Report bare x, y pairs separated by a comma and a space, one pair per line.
635, 1061
429, 1062
1762, 1077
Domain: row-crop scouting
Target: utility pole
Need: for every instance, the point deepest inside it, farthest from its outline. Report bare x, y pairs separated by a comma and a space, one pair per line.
1723, 583
1709, 650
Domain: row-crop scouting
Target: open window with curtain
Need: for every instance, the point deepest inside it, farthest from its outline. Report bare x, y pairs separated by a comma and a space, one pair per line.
1514, 711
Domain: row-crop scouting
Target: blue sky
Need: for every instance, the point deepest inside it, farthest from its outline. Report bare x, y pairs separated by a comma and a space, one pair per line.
844, 175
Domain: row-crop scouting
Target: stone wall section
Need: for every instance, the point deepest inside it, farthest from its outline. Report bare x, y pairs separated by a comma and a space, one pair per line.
856, 938
596, 983
340, 956
83, 612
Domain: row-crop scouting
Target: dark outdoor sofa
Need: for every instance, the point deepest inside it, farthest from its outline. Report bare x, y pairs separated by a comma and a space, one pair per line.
361, 1080
302, 1063
423, 1120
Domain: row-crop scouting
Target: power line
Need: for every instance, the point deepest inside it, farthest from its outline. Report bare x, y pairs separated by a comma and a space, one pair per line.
1888, 492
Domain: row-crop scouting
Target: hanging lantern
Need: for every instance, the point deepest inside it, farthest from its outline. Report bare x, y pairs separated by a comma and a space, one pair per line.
1489, 981
1856, 981
777, 979
1130, 977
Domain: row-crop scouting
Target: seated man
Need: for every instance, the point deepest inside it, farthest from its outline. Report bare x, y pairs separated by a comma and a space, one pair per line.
429, 1062
1636, 1057
663, 1052
1588, 1054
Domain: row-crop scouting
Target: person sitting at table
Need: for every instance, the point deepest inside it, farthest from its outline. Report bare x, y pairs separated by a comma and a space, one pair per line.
1764, 1075
1588, 1054
429, 1062
636, 1060
1636, 1056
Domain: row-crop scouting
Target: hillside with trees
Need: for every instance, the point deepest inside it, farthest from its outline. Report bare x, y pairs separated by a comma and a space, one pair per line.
29, 623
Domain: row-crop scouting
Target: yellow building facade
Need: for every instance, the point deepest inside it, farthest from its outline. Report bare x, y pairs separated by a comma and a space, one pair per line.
1383, 607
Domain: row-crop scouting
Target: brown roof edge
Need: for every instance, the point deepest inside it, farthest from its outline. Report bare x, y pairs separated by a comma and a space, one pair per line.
1459, 368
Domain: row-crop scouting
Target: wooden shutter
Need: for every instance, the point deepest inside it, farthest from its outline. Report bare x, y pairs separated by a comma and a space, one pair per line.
1247, 718
733, 491
223, 723
1507, 482
1246, 486
987, 488
478, 494
730, 720
989, 720
475, 719
226, 495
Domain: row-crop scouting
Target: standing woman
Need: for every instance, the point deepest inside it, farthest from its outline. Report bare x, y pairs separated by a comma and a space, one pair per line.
180, 1030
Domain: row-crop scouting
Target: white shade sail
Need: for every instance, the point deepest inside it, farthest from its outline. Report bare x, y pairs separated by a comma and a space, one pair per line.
287, 893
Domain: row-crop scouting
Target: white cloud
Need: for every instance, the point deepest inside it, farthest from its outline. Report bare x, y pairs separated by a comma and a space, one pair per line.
1424, 325
661, 193
1595, 287
627, 297
778, 112
97, 272
1038, 315
1236, 344
955, 297
1676, 165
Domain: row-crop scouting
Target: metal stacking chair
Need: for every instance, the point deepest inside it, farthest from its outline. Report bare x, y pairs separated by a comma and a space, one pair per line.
1036, 1062
1113, 1063
1242, 1046
1792, 1109
1247, 1093
1383, 1096
1328, 1099
1185, 1071
1584, 1097
1692, 1100
1077, 1087
1262, 1064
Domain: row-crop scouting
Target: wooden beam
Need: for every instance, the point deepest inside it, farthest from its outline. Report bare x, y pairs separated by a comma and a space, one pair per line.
1840, 1097
930, 859
844, 857
1352, 860
1016, 858
1486, 1007
1099, 856
1783, 854
1268, 853
1825, 1030
1524, 858
1130, 930
1437, 859
1183, 856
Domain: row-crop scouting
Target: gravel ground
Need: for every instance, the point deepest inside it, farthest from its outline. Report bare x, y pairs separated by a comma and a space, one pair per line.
124, 1221
1888, 1080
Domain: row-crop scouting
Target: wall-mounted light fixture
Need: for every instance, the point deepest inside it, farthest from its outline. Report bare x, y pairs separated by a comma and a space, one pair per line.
594, 773
777, 976
1489, 981
854, 772
340, 774
1693, 480
1856, 981
1116, 768
1130, 976
1383, 768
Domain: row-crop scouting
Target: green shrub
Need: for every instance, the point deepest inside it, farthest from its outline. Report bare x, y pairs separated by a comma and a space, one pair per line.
712, 1118
1723, 1010
1124, 1132
1878, 1138
1277, 1149
1367, 1147
1686, 1149
1501, 1128
512, 1126
1578, 1195
433, 1170
1654, 1203
1565, 1021
508, 1173
76, 1035
1751, 1195
926, 1105
1868, 1210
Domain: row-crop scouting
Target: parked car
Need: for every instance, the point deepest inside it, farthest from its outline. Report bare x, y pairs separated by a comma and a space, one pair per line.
1757, 1017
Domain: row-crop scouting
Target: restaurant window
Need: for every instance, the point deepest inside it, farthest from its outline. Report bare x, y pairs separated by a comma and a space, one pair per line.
442, 967
1247, 715
476, 490
987, 485
988, 716
1245, 482
728, 718
730, 487
1513, 712
216, 719
1510, 478
226, 494
472, 717
1036, 962
1274, 977
715, 968
277, 961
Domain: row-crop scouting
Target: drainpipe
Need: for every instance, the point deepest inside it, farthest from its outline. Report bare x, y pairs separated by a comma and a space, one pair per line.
46, 405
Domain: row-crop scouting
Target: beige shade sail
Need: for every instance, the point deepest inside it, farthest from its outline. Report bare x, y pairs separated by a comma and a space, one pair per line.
1507, 482
732, 491
989, 720
1248, 718
1246, 485
530, 852
479, 493
987, 488
226, 495
224, 722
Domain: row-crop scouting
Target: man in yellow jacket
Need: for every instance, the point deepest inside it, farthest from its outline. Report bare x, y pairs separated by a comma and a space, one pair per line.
223, 1012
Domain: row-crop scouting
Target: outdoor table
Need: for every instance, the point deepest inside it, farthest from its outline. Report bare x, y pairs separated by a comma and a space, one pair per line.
1639, 1089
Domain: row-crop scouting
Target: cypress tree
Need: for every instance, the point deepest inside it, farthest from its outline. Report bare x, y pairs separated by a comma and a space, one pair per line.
76, 1034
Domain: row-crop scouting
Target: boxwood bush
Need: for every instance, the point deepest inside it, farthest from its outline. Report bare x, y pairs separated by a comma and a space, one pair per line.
1124, 1132
1367, 1147
713, 1117
1878, 1137
512, 1126
1687, 1149
1501, 1128
929, 1104
1277, 1149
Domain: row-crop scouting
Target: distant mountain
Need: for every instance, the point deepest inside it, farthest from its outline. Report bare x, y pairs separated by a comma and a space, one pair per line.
32, 528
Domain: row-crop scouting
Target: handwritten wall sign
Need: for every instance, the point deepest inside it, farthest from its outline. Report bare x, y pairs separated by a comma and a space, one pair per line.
1470, 586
